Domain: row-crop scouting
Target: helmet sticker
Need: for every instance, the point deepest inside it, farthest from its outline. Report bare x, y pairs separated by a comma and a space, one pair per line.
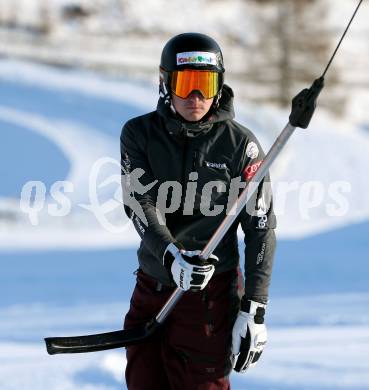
196, 57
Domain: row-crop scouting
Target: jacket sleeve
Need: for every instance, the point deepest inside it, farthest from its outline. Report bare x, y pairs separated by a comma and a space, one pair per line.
258, 223
140, 191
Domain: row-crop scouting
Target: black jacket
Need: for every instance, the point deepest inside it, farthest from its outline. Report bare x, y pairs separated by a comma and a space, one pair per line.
159, 147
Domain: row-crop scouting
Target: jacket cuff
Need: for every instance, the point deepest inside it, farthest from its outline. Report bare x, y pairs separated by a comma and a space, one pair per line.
170, 253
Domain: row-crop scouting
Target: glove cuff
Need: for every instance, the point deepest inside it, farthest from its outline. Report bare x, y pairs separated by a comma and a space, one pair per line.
170, 254
254, 308
250, 305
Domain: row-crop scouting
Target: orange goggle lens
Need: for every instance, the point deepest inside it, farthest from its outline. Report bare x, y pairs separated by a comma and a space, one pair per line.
185, 81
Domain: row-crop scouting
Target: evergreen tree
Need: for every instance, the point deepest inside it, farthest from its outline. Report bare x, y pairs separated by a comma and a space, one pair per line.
294, 44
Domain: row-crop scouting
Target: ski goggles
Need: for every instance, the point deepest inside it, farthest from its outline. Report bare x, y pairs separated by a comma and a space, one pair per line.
183, 82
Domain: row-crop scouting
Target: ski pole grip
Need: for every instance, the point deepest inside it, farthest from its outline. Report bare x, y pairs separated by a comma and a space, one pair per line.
304, 103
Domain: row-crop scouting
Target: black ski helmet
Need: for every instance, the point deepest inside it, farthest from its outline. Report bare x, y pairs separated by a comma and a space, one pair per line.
188, 43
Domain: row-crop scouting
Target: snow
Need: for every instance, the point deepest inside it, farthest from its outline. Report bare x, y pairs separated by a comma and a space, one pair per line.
301, 353
83, 82
309, 359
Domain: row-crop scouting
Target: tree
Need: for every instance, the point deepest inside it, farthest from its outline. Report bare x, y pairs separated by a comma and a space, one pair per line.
294, 45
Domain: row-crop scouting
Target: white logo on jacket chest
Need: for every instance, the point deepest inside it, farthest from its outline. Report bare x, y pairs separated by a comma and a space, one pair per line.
216, 165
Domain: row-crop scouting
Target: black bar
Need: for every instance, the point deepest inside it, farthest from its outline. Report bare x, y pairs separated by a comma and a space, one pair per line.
100, 341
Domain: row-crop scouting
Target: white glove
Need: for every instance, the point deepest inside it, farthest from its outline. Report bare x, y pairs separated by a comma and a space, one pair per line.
249, 337
189, 271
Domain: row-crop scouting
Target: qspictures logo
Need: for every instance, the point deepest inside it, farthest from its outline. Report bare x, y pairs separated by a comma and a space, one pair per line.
130, 187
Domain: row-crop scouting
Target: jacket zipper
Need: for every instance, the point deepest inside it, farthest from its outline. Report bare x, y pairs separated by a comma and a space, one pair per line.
194, 161
185, 148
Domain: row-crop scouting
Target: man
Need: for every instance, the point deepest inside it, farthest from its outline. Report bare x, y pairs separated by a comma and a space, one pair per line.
180, 164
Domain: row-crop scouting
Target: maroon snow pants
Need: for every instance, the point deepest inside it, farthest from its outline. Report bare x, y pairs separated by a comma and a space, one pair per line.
192, 349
